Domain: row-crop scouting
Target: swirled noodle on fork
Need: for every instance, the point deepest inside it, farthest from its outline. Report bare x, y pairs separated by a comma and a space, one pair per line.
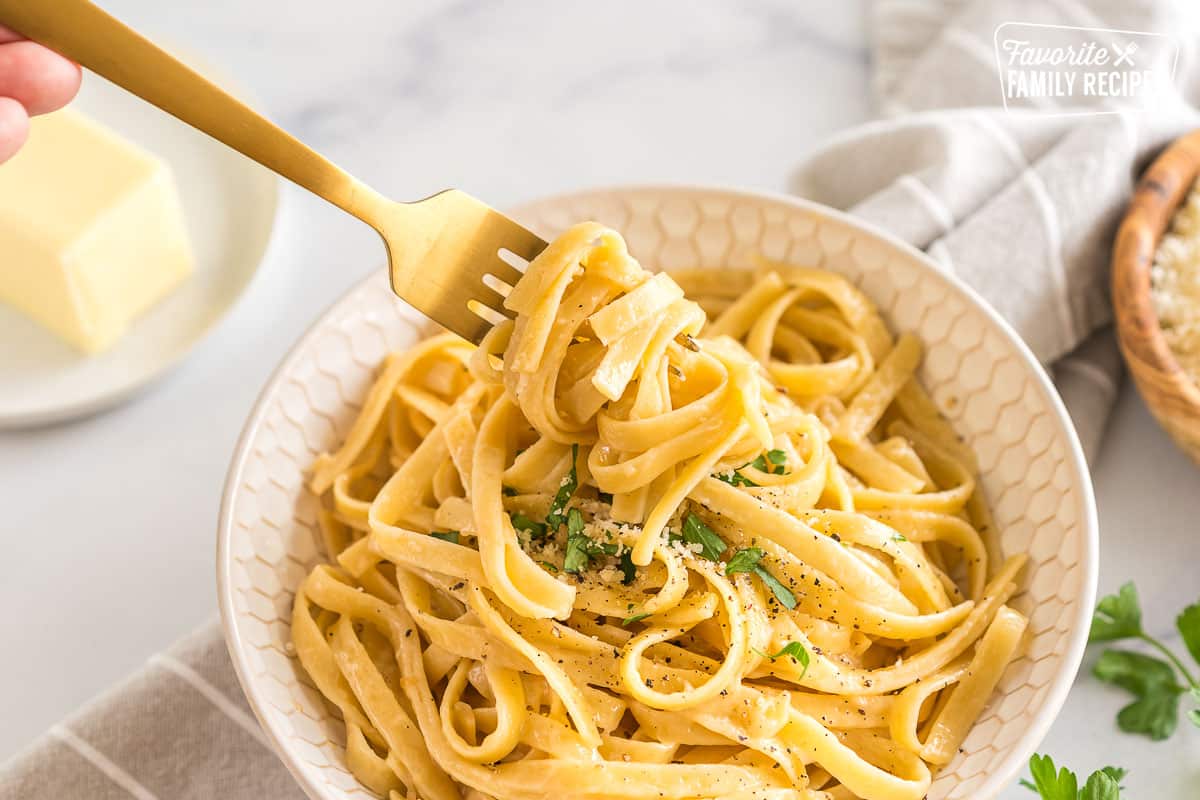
637, 545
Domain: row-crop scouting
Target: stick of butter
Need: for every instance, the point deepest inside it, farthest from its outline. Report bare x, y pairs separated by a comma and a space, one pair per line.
91, 230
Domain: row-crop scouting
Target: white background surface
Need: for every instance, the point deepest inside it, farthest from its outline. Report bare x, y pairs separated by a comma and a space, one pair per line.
109, 522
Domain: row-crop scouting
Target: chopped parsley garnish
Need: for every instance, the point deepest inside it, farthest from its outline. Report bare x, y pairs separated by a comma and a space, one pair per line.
577, 556
570, 483
696, 532
549, 567
782, 593
536, 530
628, 568
632, 619
581, 549
899, 537
735, 479
793, 650
746, 560
767, 462
445, 536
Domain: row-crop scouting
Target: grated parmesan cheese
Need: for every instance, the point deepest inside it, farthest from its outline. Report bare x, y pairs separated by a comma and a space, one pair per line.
1175, 285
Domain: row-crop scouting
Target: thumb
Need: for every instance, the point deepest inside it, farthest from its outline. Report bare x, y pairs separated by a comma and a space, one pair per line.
14, 127
37, 78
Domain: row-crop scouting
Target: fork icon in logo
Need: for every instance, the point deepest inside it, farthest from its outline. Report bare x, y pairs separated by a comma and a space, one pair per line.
1125, 54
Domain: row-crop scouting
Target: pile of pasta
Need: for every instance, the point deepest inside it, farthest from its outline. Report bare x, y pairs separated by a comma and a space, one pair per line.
637, 545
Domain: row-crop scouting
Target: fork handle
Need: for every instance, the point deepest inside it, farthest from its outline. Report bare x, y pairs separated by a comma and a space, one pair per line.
84, 33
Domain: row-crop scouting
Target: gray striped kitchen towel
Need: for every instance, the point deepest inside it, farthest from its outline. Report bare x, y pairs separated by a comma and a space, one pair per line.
178, 728
1021, 202
1020, 205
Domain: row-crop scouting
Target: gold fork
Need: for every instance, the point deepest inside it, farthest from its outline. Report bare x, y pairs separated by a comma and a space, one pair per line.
441, 250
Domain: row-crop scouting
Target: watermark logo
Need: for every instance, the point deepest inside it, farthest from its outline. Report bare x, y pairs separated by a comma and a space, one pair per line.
1061, 69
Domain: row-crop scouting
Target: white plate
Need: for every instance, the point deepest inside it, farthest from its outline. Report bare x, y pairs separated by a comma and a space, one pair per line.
229, 203
976, 369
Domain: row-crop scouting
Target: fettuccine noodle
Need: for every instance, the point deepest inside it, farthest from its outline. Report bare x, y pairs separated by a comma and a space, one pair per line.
637, 545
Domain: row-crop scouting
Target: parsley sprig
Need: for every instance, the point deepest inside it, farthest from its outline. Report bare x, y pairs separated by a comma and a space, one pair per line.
1061, 784
1154, 682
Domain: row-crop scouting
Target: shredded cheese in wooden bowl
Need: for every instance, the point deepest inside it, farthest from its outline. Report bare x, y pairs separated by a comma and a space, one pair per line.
1175, 285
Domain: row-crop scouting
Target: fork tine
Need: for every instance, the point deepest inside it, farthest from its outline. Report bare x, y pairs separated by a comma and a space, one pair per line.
490, 298
522, 242
505, 272
442, 248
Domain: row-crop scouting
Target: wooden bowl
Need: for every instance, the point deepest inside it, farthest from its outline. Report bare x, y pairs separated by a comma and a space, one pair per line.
1172, 396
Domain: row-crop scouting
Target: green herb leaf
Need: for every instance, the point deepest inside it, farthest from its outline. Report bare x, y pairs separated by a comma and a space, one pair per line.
1188, 623
1100, 786
734, 479
1052, 784
1118, 616
794, 650
570, 483
633, 619
696, 532
899, 537
628, 568
550, 567
744, 560
782, 593
1155, 713
581, 548
763, 463
536, 530
1194, 714
577, 555
445, 536
1061, 784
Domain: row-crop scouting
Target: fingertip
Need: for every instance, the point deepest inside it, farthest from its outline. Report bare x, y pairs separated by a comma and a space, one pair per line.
42, 80
14, 127
62, 82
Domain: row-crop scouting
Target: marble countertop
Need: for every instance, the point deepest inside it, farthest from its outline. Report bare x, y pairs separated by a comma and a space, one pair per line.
508, 101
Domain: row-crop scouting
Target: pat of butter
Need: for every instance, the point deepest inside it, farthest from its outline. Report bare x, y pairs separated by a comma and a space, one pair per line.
91, 231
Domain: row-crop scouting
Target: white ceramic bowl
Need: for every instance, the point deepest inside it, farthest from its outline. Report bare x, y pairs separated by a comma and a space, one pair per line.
976, 369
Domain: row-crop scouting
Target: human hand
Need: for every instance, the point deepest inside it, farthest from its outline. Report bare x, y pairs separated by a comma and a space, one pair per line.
33, 80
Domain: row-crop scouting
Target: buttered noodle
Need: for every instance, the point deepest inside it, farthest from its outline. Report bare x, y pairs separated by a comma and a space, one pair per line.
638, 546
